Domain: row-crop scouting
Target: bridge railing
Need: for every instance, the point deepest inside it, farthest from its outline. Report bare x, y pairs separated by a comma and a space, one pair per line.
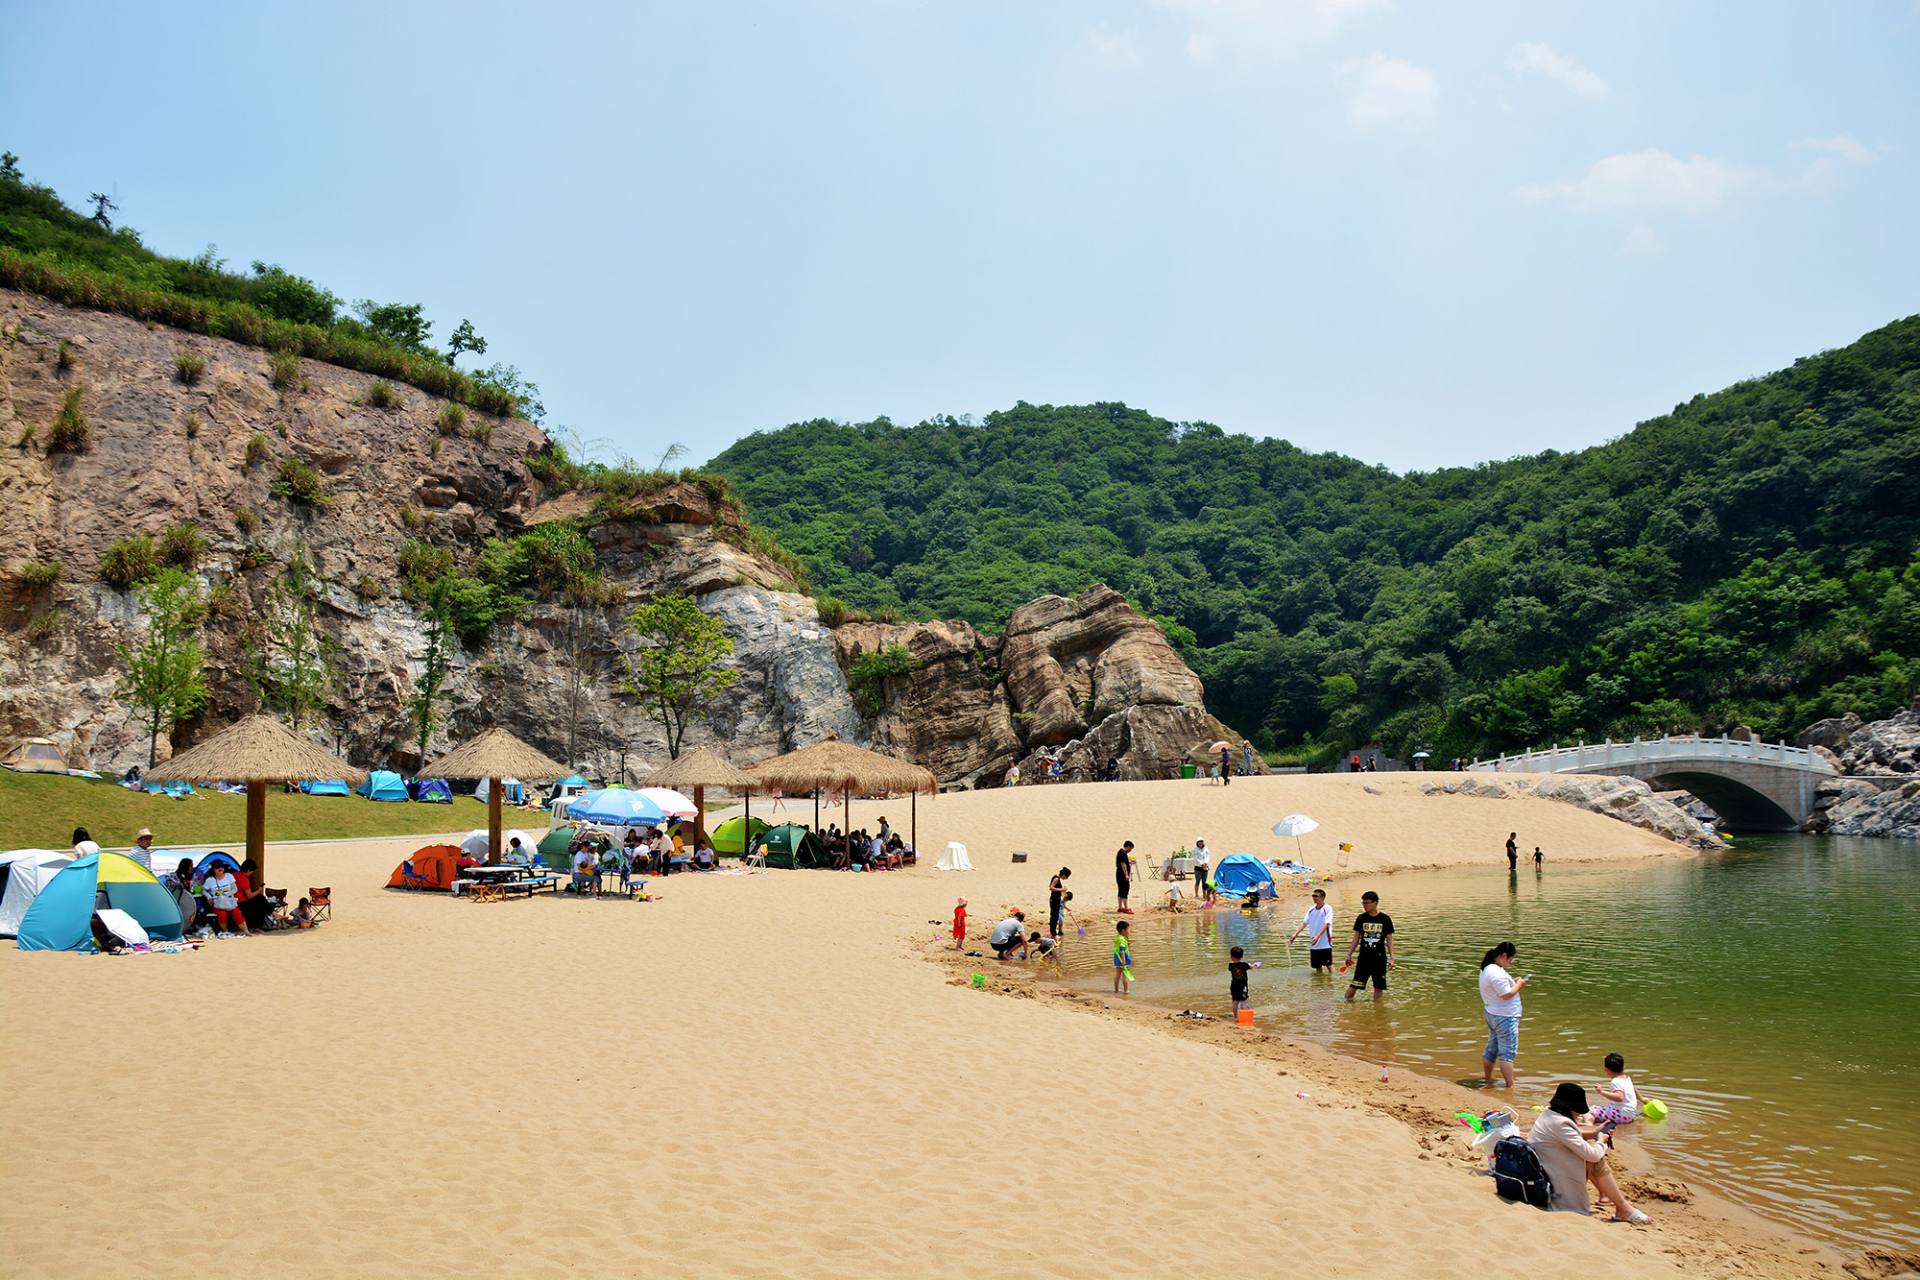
1600, 755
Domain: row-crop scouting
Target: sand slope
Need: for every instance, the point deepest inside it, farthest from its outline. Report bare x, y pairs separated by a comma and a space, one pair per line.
756, 1075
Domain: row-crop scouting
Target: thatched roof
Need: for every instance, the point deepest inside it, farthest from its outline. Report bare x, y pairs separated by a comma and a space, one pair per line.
701, 767
258, 749
834, 765
495, 754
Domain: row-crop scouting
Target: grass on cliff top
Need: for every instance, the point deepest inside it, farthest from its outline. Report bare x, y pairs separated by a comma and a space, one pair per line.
40, 811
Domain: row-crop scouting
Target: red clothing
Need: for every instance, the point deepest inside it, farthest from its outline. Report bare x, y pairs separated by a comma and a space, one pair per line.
244, 883
960, 922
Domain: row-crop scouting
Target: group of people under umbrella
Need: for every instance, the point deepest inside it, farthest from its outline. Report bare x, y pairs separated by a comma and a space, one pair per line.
262, 752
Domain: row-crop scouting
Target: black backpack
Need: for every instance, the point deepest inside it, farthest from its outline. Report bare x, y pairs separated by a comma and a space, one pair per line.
1517, 1174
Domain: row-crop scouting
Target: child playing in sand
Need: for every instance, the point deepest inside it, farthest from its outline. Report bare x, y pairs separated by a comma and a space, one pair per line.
302, 917
1237, 970
1122, 959
1622, 1104
1040, 945
960, 926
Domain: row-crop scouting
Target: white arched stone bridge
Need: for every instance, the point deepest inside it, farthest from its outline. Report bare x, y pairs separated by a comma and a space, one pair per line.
1753, 785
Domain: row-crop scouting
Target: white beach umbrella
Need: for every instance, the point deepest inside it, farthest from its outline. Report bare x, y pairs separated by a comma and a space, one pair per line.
1295, 825
476, 842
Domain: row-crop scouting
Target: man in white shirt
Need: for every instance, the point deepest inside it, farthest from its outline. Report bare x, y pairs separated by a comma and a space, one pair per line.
1318, 926
584, 876
142, 851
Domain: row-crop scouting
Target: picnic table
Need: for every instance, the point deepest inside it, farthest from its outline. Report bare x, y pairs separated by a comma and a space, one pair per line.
506, 880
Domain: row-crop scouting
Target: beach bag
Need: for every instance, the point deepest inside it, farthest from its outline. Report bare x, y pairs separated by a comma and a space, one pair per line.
1517, 1174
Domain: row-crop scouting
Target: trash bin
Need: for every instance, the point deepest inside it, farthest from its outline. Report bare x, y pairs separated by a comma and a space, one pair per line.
1186, 769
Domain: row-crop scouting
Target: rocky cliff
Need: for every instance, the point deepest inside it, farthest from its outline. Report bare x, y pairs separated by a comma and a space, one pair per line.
1878, 792
1089, 674
1089, 678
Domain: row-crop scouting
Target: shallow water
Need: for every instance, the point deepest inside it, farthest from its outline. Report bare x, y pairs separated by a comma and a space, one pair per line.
1770, 996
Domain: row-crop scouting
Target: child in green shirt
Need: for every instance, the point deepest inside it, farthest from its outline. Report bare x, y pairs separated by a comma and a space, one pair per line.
1122, 959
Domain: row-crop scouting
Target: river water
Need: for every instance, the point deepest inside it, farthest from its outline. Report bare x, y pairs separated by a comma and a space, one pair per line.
1769, 995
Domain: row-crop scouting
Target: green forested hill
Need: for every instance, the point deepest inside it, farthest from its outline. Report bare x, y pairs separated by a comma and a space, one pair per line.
1749, 557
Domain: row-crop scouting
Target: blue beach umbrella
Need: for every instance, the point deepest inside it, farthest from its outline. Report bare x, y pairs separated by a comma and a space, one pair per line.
616, 807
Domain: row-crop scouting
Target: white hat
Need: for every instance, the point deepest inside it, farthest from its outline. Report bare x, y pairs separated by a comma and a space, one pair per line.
142, 834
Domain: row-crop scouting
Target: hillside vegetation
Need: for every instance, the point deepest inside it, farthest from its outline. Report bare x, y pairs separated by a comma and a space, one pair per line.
88, 261
1748, 558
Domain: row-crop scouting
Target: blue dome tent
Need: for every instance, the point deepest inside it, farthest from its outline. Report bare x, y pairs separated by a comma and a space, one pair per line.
384, 784
433, 791
1239, 874
61, 917
332, 787
216, 859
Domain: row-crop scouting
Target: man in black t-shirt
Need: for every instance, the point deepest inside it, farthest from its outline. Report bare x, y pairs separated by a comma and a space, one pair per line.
1123, 875
1373, 939
1513, 852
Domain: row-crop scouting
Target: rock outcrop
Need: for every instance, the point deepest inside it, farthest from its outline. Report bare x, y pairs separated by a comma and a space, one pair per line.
1878, 792
1089, 675
1088, 678
1627, 799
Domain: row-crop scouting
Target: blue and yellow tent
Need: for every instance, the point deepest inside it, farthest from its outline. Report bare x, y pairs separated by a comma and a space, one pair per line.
61, 917
384, 784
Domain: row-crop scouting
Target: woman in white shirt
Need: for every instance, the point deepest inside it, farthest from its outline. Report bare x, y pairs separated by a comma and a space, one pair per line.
83, 843
1500, 993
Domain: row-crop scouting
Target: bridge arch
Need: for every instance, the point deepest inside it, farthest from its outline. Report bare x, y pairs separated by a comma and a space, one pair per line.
1740, 806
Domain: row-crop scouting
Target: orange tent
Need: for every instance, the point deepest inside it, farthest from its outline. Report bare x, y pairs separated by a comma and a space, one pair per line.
435, 867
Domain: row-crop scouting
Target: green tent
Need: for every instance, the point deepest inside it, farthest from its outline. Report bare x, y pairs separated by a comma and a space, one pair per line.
733, 835
792, 846
553, 849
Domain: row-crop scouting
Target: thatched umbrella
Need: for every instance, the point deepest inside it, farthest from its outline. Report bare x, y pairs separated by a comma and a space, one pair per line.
701, 768
834, 764
256, 751
494, 755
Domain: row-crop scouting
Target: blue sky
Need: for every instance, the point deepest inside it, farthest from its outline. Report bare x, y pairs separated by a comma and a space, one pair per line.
1421, 234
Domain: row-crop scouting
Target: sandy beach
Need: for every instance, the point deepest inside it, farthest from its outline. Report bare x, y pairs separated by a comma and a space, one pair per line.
770, 1075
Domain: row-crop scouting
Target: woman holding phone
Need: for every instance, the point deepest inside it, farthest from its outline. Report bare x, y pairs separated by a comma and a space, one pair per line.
1500, 993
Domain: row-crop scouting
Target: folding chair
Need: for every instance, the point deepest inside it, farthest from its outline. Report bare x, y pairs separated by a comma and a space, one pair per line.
320, 902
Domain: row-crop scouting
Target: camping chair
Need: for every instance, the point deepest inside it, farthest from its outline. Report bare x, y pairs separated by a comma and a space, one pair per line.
320, 902
277, 899
1153, 867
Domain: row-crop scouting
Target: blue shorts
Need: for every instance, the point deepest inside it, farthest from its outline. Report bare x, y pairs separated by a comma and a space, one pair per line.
1503, 1038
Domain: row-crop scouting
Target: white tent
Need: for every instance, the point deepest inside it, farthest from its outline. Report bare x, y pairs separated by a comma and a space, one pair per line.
512, 791
474, 844
27, 872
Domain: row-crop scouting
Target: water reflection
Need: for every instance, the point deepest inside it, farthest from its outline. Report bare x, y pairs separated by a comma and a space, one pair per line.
1767, 995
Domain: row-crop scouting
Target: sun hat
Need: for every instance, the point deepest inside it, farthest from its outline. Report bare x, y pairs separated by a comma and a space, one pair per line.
143, 834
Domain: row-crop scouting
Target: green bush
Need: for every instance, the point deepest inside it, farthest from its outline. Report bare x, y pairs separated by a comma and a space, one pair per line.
256, 449
129, 561
299, 483
482, 430
413, 518
382, 395
37, 575
452, 420
63, 357
287, 370
70, 432
246, 520
369, 588
868, 674
552, 557
421, 565
193, 425
188, 367
182, 545
832, 611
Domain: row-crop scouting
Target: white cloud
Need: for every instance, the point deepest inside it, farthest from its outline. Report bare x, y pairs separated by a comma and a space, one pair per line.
1388, 89
1112, 47
1642, 242
1839, 149
1214, 26
1553, 64
1647, 180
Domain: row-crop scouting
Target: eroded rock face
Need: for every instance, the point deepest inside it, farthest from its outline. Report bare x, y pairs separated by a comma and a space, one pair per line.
164, 451
1627, 799
1088, 677
1872, 798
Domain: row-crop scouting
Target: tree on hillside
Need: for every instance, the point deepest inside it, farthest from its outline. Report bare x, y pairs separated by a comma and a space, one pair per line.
582, 640
164, 675
291, 663
679, 667
465, 339
9, 167
434, 665
102, 204
404, 324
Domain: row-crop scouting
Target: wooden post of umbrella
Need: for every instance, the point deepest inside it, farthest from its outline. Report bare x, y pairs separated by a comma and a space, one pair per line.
257, 826
493, 822
699, 812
